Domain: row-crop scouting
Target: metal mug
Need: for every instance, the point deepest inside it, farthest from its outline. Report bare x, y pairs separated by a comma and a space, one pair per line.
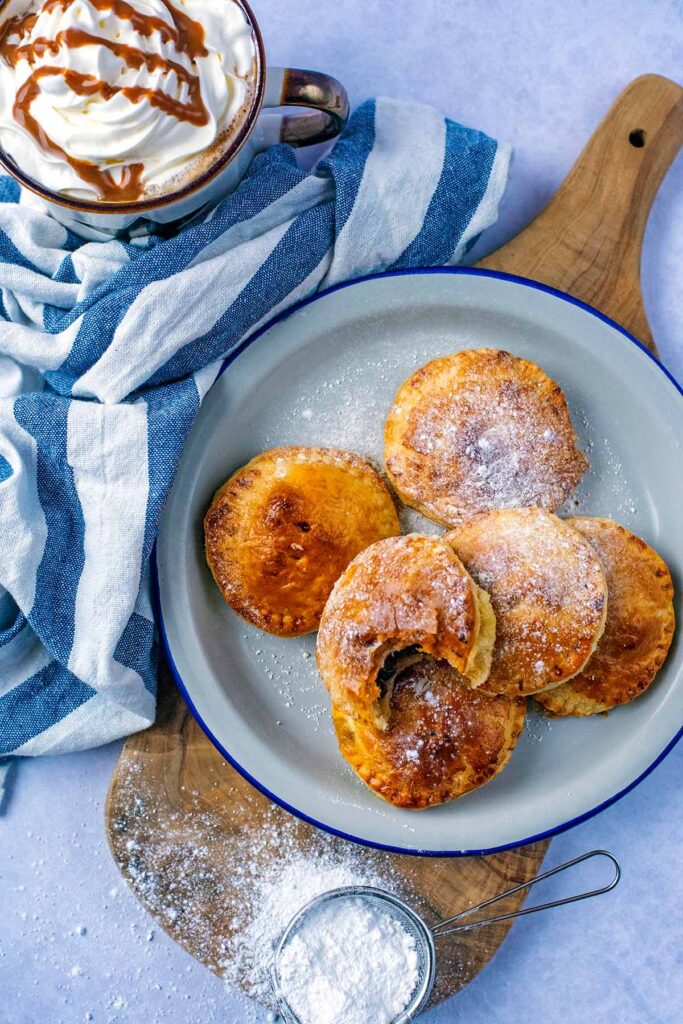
263, 127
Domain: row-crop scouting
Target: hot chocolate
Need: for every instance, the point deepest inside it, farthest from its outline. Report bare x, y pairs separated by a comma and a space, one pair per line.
122, 100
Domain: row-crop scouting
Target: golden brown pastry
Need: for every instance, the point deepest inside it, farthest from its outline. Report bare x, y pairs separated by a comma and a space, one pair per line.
639, 627
479, 430
405, 592
442, 738
281, 530
548, 591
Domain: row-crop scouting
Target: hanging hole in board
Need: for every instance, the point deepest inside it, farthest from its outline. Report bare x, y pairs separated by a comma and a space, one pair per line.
638, 138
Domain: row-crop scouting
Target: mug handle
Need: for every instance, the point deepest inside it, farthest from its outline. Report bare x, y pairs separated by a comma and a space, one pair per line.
326, 98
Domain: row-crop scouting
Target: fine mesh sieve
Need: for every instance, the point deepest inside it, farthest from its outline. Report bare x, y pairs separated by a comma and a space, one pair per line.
423, 935
411, 922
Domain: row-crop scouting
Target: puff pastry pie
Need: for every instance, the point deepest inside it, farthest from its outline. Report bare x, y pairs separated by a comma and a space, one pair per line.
639, 627
441, 739
281, 530
548, 590
478, 430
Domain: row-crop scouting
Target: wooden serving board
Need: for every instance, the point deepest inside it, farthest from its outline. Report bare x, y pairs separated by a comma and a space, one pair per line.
172, 790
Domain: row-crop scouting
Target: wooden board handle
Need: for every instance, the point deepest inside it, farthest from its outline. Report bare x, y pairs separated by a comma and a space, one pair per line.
587, 241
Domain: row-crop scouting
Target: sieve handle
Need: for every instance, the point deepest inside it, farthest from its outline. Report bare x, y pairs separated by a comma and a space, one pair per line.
449, 926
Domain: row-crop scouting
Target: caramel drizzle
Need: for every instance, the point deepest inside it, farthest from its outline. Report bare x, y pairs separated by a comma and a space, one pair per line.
187, 36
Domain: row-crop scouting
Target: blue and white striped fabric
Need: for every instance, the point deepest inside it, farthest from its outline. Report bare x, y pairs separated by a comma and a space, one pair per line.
106, 351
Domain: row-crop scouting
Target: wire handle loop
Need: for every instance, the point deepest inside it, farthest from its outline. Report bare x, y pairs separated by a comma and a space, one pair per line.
444, 927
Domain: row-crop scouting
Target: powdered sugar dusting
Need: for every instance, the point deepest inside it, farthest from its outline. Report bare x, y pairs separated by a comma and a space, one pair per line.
606, 471
548, 591
482, 429
402, 590
351, 404
227, 894
294, 678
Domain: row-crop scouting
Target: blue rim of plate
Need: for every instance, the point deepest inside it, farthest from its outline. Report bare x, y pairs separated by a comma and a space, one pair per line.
156, 594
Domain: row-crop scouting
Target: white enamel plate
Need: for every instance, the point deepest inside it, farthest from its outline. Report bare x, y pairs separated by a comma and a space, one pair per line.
326, 374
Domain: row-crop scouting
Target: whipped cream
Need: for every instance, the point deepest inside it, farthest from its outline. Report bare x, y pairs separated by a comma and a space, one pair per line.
117, 99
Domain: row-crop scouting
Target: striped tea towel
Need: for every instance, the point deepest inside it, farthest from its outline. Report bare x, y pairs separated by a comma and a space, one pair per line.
106, 351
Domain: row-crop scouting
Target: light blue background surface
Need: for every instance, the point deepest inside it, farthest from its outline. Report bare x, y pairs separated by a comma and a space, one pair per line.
540, 75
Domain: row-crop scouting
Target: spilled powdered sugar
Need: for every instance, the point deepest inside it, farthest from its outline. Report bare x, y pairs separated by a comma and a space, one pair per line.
608, 469
227, 894
294, 675
347, 409
413, 522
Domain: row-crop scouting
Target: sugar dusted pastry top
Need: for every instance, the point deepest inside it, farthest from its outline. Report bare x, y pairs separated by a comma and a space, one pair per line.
548, 591
281, 530
442, 738
478, 430
399, 593
639, 627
